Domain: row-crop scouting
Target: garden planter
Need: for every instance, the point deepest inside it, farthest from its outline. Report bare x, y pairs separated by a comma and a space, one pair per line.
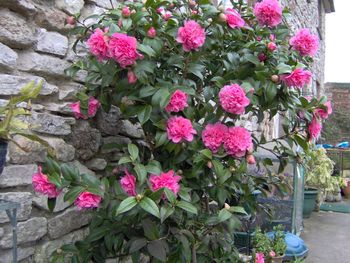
244, 239
278, 259
3, 152
310, 195
346, 191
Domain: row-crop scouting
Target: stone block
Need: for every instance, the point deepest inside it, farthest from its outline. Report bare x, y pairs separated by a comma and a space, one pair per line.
52, 19
70, 6
43, 252
1, 232
57, 107
81, 168
11, 85
108, 123
17, 175
40, 201
42, 64
81, 51
132, 130
105, 3
96, 164
64, 152
114, 141
8, 58
69, 90
24, 198
22, 253
51, 43
88, 10
15, 30
85, 139
24, 7
51, 124
31, 230
71, 219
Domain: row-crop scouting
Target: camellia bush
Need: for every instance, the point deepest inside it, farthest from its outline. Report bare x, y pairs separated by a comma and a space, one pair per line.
186, 71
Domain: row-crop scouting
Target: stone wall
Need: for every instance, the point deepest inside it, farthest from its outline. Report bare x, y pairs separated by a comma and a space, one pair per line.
35, 45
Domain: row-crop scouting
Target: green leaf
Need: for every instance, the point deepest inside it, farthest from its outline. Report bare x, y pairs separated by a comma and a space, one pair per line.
187, 207
141, 173
133, 151
126, 205
165, 212
144, 114
73, 193
283, 68
224, 215
170, 195
157, 249
253, 59
238, 210
153, 168
302, 142
124, 160
196, 69
207, 153
51, 203
69, 173
161, 138
150, 206
98, 233
137, 244
146, 49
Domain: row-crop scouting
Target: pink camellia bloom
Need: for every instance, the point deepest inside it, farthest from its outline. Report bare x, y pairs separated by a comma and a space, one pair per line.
128, 183
233, 18
165, 180
191, 36
126, 11
314, 128
268, 13
177, 102
180, 128
259, 258
87, 200
42, 185
298, 78
131, 77
271, 46
233, 99
93, 106
272, 254
237, 141
323, 114
98, 44
304, 42
75, 107
167, 15
151, 33
213, 136
122, 48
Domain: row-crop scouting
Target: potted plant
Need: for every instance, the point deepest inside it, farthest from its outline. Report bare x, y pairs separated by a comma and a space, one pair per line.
10, 125
318, 179
346, 187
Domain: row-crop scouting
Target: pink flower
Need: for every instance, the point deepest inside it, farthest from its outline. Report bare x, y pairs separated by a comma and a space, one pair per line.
272, 254
160, 10
314, 128
131, 77
191, 35
213, 136
271, 46
167, 15
42, 185
272, 37
75, 107
268, 13
237, 141
298, 78
233, 99
259, 258
250, 159
233, 18
93, 106
70, 20
304, 42
323, 114
165, 180
128, 183
177, 102
126, 11
194, 12
151, 33
262, 57
98, 44
87, 200
123, 49
179, 128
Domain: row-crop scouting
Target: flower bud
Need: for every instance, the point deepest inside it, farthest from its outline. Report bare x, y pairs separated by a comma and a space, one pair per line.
194, 12
171, 6
131, 77
221, 8
232, 169
272, 37
275, 78
144, 2
138, 197
126, 11
166, 16
115, 171
59, 251
133, 12
210, 164
70, 20
222, 17
160, 10
143, 9
271, 46
227, 206
250, 159
179, 172
262, 57
151, 33
192, 3
210, 20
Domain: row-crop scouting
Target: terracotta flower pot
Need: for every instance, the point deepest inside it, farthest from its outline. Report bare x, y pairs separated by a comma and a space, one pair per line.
278, 259
346, 191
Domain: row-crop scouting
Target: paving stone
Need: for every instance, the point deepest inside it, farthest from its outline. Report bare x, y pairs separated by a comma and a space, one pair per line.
11, 85
31, 230
17, 175
15, 30
71, 219
42, 64
51, 43
51, 124
8, 58
24, 198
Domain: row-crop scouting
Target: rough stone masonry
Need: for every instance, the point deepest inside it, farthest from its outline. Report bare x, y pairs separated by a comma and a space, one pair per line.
35, 45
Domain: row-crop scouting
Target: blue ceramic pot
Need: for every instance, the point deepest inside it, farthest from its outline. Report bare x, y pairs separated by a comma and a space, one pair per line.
3, 152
